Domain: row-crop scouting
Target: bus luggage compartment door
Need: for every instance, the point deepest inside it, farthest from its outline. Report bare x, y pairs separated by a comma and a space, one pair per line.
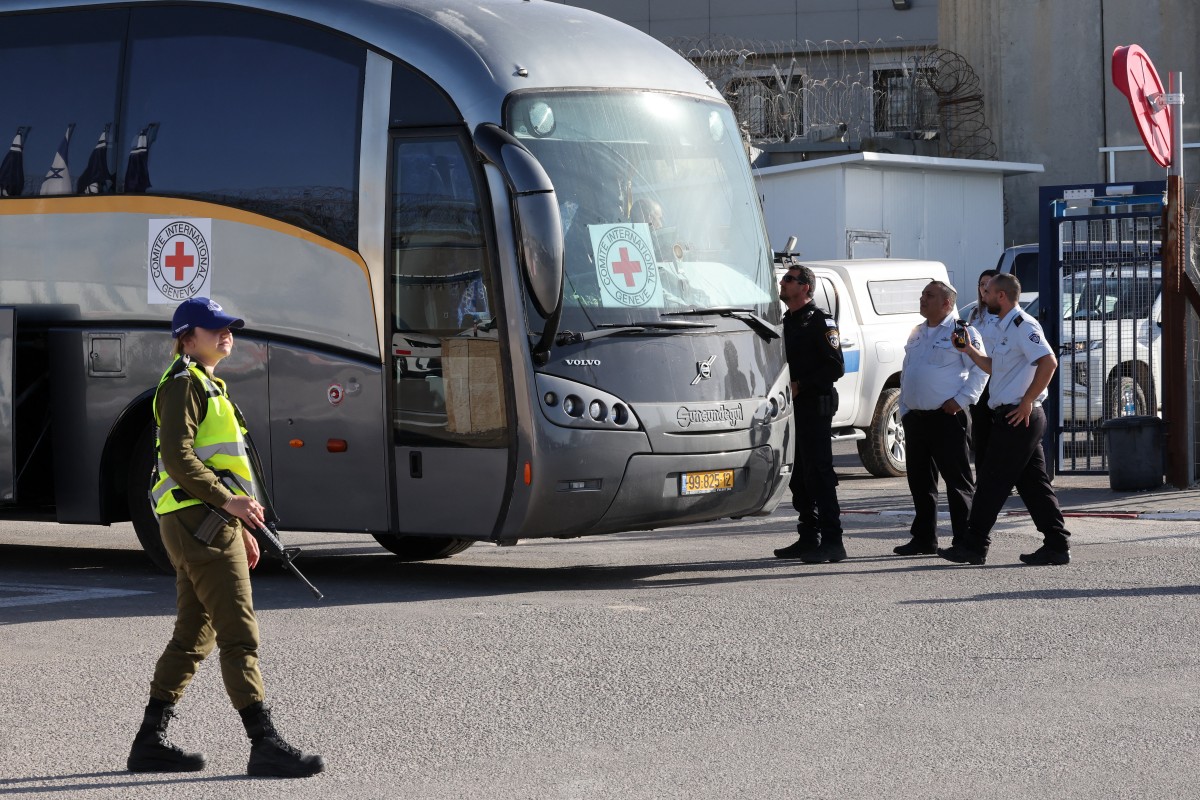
8, 331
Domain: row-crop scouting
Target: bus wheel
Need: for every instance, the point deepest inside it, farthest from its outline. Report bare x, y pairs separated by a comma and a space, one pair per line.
882, 452
422, 548
137, 486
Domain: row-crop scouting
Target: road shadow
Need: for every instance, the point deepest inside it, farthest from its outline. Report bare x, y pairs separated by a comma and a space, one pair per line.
1064, 594
73, 786
357, 575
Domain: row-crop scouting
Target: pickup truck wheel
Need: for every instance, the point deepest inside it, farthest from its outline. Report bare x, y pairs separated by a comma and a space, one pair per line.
422, 548
882, 452
138, 480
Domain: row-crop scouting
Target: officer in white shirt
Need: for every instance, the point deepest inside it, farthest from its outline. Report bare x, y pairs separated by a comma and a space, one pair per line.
1021, 364
938, 381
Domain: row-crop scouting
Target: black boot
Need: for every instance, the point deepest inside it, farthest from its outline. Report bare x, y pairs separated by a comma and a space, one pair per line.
831, 550
152, 751
809, 540
270, 755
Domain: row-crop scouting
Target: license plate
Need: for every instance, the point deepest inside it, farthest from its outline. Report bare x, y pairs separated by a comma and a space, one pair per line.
718, 480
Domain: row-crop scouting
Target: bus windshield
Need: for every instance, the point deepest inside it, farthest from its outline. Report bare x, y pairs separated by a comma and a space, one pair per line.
658, 209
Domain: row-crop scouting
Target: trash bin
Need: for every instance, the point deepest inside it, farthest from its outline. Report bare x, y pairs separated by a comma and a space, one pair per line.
1134, 446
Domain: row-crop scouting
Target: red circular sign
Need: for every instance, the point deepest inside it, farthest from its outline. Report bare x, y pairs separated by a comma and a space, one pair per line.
1134, 75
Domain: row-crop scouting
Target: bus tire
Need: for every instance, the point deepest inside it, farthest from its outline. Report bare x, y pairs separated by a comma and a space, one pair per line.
422, 548
137, 486
882, 452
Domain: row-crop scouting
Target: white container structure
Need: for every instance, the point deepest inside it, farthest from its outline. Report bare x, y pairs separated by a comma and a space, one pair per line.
881, 205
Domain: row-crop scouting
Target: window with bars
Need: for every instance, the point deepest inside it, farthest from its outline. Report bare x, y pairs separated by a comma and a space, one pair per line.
768, 107
905, 101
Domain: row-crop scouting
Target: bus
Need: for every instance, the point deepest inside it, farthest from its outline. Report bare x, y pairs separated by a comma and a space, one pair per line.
502, 265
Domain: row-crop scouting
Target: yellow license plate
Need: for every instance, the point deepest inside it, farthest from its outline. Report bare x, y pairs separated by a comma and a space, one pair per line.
718, 480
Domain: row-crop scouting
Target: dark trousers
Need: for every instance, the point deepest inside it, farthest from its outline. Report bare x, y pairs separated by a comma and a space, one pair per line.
1015, 458
936, 442
981, 427
814, 483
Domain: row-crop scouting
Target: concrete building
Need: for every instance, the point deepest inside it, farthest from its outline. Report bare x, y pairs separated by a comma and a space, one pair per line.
1047, 79
1043, 66
913, 21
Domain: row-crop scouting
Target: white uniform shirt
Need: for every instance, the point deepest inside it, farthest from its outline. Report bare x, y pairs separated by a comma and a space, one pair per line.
1020, 343
935, 371
988, 325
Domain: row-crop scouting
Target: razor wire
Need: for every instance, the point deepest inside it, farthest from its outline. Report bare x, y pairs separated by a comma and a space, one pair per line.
846, 91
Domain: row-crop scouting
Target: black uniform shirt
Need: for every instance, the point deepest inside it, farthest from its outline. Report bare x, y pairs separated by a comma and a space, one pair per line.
814, 351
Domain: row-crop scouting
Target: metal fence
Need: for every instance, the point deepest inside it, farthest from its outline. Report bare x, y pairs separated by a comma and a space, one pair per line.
1101, 299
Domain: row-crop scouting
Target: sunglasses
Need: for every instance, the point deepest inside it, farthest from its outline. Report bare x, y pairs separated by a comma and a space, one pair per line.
791, 279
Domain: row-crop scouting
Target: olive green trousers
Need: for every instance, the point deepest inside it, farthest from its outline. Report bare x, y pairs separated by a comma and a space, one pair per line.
215, 608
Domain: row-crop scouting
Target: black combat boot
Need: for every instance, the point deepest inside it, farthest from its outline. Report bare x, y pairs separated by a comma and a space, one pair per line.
270, 755
809, 540
152, 751
832, 550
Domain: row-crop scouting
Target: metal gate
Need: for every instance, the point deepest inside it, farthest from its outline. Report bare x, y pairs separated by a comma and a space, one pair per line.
1100, 298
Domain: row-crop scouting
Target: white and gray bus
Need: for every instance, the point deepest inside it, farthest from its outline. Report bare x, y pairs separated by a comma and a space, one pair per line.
502, 265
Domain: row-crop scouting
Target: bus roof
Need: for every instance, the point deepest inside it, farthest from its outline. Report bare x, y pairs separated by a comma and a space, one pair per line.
477, 49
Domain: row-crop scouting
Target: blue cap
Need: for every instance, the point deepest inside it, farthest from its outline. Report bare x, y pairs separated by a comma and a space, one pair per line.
200, 312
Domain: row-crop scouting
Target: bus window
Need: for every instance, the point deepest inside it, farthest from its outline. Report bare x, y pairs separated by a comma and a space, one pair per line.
58, 70
444, 344
253, 111
657, 212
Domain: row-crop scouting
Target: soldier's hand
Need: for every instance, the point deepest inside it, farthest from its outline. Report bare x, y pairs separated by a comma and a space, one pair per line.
246, 509
951, 406
252, 551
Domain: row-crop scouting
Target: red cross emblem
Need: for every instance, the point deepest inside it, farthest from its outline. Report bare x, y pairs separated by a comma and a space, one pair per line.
179, 261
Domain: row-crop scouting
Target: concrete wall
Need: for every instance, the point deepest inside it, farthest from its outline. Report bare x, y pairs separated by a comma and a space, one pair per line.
1046, 72
776, 20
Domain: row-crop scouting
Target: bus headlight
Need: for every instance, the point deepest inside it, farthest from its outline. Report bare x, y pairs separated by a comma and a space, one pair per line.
597, 410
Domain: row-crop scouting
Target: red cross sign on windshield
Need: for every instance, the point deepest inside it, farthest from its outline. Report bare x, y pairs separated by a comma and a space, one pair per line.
626, 266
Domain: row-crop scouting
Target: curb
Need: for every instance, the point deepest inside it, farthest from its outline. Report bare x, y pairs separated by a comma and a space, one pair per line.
1176, 516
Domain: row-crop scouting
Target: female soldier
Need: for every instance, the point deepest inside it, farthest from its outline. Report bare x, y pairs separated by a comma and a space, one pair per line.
199, 433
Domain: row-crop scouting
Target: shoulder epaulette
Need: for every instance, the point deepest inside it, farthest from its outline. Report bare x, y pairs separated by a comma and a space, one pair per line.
1018, 320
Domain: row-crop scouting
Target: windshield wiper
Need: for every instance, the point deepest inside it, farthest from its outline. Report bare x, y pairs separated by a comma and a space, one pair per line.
619, 328
759, 325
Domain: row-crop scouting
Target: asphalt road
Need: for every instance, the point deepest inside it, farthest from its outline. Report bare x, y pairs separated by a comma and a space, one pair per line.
674, 664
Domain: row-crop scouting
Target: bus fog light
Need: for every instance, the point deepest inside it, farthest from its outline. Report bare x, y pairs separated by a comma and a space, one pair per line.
550, 399
573, 406
598, 411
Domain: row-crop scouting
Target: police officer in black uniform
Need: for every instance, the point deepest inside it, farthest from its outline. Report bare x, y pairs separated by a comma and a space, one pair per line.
814, 356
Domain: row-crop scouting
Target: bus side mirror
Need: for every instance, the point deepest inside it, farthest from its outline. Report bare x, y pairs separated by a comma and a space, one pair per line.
537, 222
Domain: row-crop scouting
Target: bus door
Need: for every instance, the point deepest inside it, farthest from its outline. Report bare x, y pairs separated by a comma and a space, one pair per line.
451, 422
8, 355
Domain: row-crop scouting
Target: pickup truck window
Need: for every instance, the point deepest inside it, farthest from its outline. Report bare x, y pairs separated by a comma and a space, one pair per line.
826, 298
897, 297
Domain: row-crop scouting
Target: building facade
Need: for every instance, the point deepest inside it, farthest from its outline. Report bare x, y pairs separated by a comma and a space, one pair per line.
1035, 73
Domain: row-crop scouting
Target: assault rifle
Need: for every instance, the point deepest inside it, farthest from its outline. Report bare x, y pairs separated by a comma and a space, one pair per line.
268, 534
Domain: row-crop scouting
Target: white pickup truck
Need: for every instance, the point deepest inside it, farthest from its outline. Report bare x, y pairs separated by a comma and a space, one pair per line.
875, 302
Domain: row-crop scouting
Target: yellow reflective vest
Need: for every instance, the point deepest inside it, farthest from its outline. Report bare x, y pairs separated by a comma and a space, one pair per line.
220, 440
